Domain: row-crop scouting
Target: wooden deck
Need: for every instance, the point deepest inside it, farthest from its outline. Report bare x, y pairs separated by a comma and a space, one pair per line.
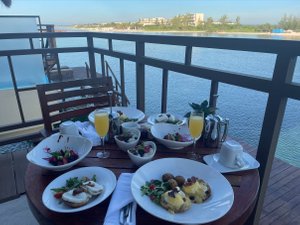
282, 200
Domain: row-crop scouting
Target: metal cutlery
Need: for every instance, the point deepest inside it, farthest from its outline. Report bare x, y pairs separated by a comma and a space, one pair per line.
126, 214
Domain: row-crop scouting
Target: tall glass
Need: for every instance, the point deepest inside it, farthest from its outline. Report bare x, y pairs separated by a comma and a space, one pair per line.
195, 126
102, 126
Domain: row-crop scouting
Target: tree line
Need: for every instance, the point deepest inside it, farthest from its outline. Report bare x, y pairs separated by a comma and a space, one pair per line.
223, 24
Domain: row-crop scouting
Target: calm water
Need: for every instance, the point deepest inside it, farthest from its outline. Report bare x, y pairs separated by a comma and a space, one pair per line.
245, 108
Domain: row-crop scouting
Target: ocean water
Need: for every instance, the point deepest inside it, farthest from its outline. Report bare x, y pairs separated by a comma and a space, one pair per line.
244, 108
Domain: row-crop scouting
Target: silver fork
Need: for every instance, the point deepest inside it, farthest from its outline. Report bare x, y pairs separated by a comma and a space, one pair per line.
126, 215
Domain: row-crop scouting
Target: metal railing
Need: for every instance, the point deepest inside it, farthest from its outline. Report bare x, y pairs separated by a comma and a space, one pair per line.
279, 88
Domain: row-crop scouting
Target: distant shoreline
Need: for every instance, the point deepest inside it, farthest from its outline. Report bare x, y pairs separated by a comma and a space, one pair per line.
291, 34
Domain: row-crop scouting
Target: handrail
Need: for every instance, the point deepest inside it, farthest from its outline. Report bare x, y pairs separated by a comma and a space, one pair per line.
125, 100
279, 88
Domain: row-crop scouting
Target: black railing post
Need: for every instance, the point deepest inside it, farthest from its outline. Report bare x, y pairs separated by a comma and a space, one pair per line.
90, 43
140, 76
13, 77
103, 66
214, 86
122, 78
283, 73
164, 91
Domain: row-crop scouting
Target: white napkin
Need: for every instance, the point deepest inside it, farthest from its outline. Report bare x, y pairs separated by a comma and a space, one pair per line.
121, 197
88, 131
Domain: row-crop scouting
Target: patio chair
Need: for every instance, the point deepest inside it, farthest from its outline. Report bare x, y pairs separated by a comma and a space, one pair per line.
72, 100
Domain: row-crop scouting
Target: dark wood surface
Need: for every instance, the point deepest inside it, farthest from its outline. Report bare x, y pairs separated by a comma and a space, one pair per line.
245, 186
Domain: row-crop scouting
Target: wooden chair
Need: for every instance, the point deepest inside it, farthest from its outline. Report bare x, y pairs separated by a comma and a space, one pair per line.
72, 99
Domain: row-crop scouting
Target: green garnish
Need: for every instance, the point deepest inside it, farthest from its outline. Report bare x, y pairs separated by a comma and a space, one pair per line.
72, 183
154, 189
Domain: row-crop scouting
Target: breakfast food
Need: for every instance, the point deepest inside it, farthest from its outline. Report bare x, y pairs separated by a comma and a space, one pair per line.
78, 192
166, 118
124, 118
177, 137
142, 150
76, 197
196, 189
175, 201
175, 193
61, 157
127, 137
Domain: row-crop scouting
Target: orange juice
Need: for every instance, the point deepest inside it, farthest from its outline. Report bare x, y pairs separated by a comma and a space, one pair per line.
196, 126
101, 123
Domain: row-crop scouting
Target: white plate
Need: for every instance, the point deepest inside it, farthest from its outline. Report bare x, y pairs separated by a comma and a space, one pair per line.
152, 119
104, 177
213, 161
130, 112
57, 142
212, 209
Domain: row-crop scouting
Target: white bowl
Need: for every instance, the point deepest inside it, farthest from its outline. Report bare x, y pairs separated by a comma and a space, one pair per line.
127, 145
159, 130
55, 142
141, 160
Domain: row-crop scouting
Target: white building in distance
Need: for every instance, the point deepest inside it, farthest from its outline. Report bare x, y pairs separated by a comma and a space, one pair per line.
153, 21
195, 19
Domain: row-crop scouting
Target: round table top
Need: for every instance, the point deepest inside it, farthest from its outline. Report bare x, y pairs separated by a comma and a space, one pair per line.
245, 185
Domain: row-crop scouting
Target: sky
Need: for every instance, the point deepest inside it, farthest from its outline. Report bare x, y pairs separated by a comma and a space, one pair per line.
69, 12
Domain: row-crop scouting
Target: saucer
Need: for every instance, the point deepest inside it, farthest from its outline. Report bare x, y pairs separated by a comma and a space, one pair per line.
213, 161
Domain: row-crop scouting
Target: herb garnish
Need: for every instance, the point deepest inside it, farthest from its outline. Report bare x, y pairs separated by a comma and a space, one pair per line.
154, 189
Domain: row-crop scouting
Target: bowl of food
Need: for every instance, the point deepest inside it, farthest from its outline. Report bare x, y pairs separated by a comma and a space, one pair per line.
172, 136
142, 153
60, 151
128, 140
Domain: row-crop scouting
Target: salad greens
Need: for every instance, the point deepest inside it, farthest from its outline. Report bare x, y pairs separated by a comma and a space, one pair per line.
154, 189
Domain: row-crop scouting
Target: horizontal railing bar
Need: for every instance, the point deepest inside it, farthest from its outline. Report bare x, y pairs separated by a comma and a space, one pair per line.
26, 89
239, 44
21, 125
237, 79
42, 51
291, 91
233, 78
44, 35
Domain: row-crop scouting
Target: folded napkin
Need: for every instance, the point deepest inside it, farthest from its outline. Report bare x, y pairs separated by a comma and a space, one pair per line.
121, 197
88, 131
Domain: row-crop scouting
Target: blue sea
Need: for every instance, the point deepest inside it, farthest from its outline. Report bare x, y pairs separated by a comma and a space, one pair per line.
244, 108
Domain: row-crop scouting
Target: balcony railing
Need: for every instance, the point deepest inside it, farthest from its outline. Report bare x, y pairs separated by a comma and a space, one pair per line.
279, 88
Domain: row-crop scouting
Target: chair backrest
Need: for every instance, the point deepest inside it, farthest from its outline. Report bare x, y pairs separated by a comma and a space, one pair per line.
72, 99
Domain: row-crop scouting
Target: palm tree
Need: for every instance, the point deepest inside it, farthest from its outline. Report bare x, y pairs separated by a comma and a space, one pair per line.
7, 3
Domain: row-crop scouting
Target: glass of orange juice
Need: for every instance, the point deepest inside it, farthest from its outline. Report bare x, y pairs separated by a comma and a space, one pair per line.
196, 121
102, 126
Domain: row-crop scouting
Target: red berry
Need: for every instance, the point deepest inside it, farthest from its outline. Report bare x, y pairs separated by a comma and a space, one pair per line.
147, 149
58, 195
152, 187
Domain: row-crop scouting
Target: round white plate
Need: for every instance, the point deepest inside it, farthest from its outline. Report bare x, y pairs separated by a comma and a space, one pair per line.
212, 209
152, 121
130, 112
213, 161
104, 177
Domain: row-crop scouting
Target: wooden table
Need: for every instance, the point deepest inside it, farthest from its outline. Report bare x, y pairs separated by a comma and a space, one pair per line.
245, 186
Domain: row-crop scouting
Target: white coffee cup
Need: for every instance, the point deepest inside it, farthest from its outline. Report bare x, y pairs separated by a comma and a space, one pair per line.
231, 154
69, 128
127, 126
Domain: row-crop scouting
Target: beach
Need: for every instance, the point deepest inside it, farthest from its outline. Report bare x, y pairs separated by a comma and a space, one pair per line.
293, 35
